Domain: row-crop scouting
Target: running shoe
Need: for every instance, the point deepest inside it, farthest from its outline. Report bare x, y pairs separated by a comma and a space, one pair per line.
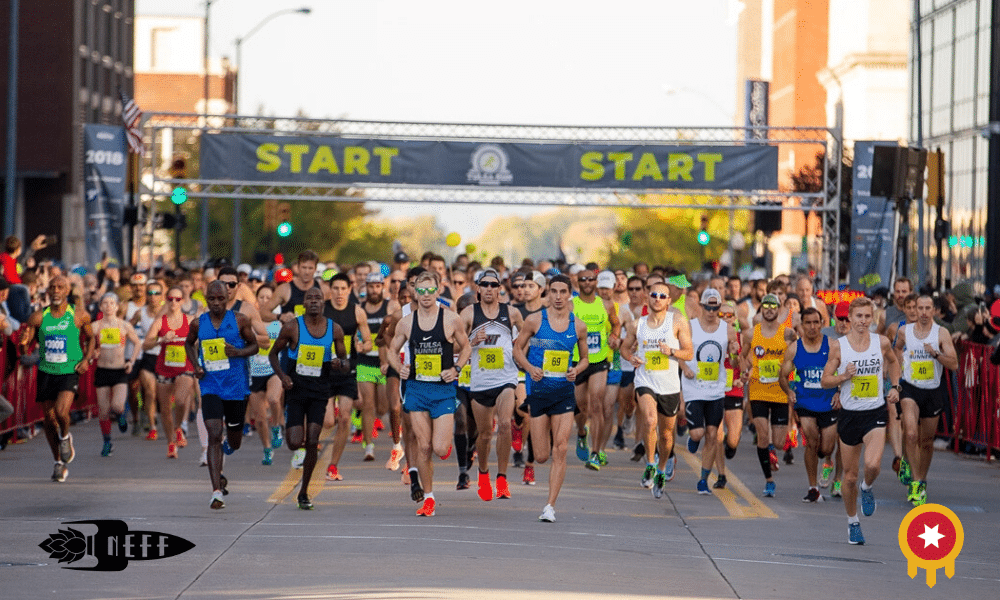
224, 484
463, 481
107, 449
529, 475
247, 430
773, 456
427, 510
548, 514
378, 424
693, 445
720, 482
824, 480
123, 421
332, 474
394, 457
374, 432
171, 450
835, 491
703, 488
277, 439
226, 448
668, 471
204, 457
268, 457
485, 487
60, 472
628, 424
789, 458
647, 476
369, 452
217, 501
620, 439
298, 457
151, 436
356, 419
682, 428
181, 439
503, 490
602, 456
813, 495
594, 464
905, 473
184, 426
854, 534
404, 477
867, 502
516, 437
769, 489
639, 452
66, 451
357, 437
920, 497
304, 502
582, 451
659, 480
730, 452
416, 492
519, 460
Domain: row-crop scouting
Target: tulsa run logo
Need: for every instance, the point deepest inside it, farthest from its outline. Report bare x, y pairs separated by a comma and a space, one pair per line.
113, 545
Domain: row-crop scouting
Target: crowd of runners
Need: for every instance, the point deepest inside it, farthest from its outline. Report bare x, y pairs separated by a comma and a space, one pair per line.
499, 367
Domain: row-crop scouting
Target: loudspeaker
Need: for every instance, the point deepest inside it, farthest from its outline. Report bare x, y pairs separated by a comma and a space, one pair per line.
767, 221
898, 172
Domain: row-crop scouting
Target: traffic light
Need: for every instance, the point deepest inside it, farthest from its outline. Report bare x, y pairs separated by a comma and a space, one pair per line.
284, 229
179, 196
703, 237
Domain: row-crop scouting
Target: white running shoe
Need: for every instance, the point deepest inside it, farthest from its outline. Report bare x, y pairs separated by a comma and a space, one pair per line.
298, 458
548, 514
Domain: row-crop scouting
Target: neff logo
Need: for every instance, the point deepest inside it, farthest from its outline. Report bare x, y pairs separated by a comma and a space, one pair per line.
113, 545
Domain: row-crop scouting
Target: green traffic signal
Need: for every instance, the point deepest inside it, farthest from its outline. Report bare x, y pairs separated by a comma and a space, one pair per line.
703, 238
179, 196
284, 229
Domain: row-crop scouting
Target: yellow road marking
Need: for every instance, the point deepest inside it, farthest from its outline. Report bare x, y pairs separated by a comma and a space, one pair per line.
294, 476
754, 509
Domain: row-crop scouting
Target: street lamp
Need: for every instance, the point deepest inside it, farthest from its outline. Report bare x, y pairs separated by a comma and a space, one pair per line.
239, 47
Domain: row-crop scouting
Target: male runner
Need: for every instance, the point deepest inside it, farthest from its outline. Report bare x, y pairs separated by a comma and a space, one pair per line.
534, 285
598, 314
812, 403
606, 281
894, 430
289, 295
371, 380
747, 310
762, 355
310, 342
65, 345
432, 335
858, 364
543, 349
663, 337
490, 326
805, 290
222, 339
924, 349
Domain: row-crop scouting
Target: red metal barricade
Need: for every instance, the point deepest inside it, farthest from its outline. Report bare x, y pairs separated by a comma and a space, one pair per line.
975, 399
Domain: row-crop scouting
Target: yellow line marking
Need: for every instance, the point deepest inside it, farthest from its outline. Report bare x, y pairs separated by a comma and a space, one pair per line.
294, 476
736, 510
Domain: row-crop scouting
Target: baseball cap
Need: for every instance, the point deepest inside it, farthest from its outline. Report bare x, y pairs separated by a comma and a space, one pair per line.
138, 279
401, 257
843, 309
320, 267
680, 281
256, 274
283, 275
605, 279
710, 294
576, 269
538, 278
770, 299
488, 272
244, 268
375, 277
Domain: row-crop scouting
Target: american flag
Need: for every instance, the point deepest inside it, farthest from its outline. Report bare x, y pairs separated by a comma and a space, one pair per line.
131, 116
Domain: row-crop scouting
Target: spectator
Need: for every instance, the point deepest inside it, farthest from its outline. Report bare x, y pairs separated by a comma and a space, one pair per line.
8, 324
12, 249
965, 307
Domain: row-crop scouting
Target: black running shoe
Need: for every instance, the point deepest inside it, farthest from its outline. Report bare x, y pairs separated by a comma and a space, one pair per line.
416, 492
720, 483
304, 502
224, 483
620, 439
463, 481
519, 460
639, 452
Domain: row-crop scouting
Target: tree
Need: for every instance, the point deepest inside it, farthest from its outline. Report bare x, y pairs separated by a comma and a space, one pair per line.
810, 179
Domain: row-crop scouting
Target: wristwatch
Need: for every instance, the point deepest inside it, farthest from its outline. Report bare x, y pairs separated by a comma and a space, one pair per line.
898, 387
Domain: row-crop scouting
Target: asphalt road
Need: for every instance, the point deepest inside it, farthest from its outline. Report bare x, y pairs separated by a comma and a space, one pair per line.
612, 539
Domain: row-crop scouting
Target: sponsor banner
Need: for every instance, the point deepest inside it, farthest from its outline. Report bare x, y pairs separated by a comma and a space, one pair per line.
872, 224
105, 168
338, 160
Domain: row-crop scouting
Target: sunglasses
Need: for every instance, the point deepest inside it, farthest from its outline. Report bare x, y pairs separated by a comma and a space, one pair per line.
153, 293
518, 286
426, 291
396, 281
489, 284
231, 284
845, 319
658, 295
727, 315
635, 289
174, 299
710, 307
586, 279
769, 305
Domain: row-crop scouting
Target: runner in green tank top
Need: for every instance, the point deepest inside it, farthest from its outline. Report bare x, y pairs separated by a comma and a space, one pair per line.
59, 330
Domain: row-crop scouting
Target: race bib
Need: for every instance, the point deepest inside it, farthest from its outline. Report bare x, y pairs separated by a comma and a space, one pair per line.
555, 363
214, 353
708, 371
428, 367
55, 349
374, 350
864, 386
730, 377
811, 379
768, 370
657, 361
491, 358
266, 349
299, 310
174, 355
310, 361
111, 337
593, 342
922, 370
465, 376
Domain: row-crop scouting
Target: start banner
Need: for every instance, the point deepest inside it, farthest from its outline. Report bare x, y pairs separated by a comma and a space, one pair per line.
435, 163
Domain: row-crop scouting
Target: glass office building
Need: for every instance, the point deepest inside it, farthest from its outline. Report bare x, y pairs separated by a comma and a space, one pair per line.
949, 105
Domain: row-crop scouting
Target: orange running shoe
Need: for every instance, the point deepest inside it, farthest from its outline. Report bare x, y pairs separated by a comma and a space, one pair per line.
485, 488
357, 437
405, 477
394, 457
516, 437
378, 424
332, 474
171, 450
529, 475
503, 490
151, 436
427, 510
182, 440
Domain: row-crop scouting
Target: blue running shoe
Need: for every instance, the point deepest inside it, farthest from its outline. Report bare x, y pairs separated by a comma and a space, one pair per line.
123, 420
867, 502
703, 488
582, 450
668, 471
226, 448
854, 535
107, 449
693, 445
594, 464
658, 481
769, 489
246, 430
268, 457
276, 438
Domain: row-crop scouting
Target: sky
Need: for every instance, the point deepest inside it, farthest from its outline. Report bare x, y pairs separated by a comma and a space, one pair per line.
559, 62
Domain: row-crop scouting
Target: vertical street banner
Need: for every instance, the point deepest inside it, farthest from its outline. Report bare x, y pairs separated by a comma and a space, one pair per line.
105, 169
756, 108
872, 224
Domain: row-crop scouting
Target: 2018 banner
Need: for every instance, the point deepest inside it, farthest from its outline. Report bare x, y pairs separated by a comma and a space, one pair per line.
338, 160
105, 168
872, 224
